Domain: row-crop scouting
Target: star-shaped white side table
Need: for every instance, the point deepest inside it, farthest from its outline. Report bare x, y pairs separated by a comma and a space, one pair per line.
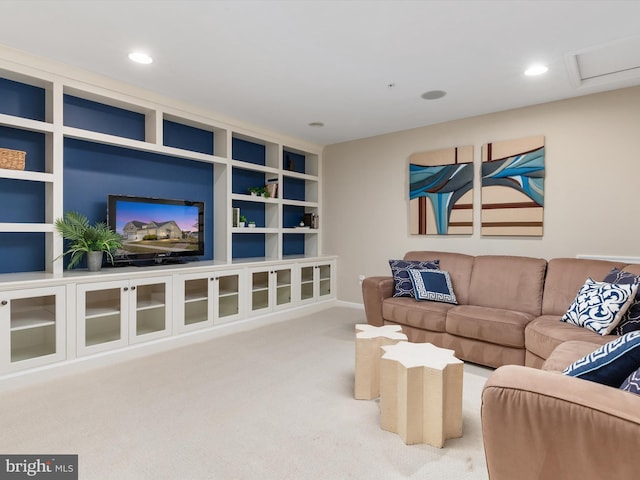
421, 393
369, 339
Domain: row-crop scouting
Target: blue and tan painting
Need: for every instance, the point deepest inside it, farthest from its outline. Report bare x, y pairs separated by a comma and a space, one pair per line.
513, 187
441, 192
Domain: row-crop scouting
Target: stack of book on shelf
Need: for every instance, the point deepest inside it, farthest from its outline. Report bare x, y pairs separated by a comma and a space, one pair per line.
272, 187
311, 220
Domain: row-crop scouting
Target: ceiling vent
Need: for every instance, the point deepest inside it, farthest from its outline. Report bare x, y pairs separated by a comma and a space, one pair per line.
617, 63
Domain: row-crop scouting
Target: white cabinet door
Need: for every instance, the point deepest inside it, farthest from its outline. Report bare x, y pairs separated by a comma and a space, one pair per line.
207, 299
101, 316
150, 309
270, 289
32, 325
114, 314
317, 281
228, 296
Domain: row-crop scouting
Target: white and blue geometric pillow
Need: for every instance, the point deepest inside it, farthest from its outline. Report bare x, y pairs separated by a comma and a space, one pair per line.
610, 364
632, 383
630, 321
599, 306
402, 286
432, 285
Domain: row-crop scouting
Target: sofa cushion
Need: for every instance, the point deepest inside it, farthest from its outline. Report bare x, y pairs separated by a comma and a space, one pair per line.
599, 306
402, 285
564, 278
546, 332
632, 383
432, 285
507, 282
493, 325
631, 319
566, 353
408, 311
611, 364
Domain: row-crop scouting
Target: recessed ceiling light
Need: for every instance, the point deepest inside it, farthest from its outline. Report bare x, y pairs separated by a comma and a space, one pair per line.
433, 94
316, 124
140, 57
536, 70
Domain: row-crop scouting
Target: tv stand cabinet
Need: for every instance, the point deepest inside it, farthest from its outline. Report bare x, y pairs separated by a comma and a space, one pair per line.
78, 319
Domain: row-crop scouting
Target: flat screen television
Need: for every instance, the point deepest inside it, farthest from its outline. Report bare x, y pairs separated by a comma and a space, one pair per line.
156, 230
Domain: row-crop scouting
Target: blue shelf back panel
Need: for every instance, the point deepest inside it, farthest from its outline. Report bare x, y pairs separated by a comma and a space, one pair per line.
22, 201
248, 245
292, 244
22, 252
294, 189
187, 138
243, 179
98, 117
22, 100
34, 143
253, 211
92, 171
294, 162
248, 151
292, 215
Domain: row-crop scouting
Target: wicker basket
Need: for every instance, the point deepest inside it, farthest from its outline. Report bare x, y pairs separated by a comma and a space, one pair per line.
12, 159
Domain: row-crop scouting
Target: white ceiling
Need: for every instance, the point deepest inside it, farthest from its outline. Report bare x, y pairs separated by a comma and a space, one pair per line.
283, 64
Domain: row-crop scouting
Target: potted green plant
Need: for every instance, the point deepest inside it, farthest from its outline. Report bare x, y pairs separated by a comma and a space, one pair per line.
259, 191
242, 221
252, 224
94, 240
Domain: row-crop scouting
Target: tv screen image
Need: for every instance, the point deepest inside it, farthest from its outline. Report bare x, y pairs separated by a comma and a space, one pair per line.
156, 228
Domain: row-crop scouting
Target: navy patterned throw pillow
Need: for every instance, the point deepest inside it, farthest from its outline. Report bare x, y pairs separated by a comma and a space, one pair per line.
599, 306
432, 285
631, 319
632, 383
610, 364
402, 286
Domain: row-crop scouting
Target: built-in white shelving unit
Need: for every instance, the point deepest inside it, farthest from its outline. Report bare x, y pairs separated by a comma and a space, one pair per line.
73, 124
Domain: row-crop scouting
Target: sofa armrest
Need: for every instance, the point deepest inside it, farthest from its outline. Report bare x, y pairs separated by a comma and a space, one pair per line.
544, 425
374, 291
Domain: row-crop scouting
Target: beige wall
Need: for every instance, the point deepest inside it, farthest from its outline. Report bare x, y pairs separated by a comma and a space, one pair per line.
591, 187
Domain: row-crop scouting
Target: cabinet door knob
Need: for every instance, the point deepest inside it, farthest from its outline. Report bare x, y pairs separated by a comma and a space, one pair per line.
126, 289
133, 288
4, 302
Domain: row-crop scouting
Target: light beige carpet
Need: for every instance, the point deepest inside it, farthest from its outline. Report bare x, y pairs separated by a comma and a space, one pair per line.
272, 403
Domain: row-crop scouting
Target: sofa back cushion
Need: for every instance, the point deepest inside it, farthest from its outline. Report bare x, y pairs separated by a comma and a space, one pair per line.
564, 278
508, 282
458, 265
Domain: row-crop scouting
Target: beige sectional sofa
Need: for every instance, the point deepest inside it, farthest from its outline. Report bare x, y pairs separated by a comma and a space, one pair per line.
508, 308
538, 424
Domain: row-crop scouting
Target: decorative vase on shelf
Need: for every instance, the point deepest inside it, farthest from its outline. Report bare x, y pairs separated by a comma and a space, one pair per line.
94, 261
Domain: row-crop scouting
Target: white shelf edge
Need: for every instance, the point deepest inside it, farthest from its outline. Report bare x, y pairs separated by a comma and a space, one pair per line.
26, 227
301, 176
301, 230
248, 230
103, 138
26, 175
299, 203
25, 123
254, 166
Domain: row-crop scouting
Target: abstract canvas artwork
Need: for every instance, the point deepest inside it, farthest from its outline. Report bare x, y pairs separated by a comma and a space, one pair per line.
513, 187
441, 192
